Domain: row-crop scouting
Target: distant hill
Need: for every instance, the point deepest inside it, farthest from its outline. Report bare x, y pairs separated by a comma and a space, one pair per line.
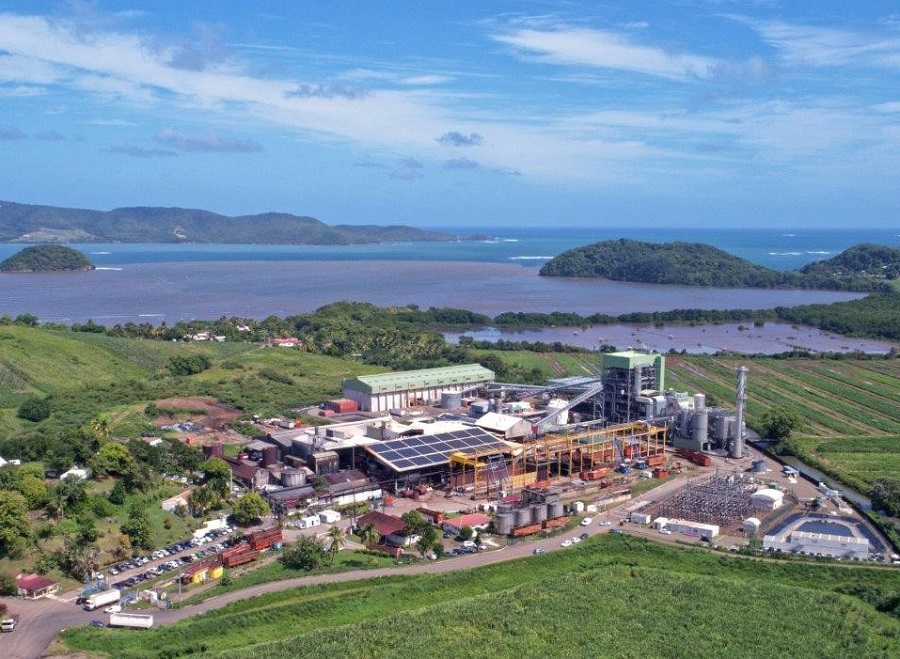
696, 264
25, 223
874, 262
46, 258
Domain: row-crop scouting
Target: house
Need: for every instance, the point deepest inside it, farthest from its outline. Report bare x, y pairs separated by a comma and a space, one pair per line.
475, 521
391, 528
200, 572
172, 503
250, 475
77, 473
33, 586
288, 342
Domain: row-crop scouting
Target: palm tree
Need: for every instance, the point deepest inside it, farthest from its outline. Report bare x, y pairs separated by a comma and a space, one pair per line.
337, 539
100, 428
369, 535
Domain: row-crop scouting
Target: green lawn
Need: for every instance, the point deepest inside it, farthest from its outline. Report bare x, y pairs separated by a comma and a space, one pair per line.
610, 596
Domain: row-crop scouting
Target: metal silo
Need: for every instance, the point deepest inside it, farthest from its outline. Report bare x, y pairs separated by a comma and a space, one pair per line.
523, 517
700, 426
505, 523
538, 513
556, 510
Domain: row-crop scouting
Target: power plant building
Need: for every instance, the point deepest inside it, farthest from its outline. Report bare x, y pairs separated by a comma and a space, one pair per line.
403, 389
628, 378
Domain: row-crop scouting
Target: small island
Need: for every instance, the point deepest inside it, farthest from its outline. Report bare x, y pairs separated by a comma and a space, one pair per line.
47, 258
863, 268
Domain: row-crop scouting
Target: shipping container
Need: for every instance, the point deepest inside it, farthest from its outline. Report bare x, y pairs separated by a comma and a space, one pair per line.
240, 559
265, 538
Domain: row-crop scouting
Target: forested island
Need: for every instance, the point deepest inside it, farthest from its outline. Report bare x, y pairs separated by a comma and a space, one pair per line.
862, 268
46, 258
26, 223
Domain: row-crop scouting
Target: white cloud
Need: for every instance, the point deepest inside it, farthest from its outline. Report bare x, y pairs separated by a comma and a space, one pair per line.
805, 45
604, 50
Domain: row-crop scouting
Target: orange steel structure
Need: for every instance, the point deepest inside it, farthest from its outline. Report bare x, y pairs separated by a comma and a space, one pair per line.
564, 455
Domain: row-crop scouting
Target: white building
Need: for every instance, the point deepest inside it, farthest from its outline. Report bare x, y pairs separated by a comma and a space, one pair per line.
767, 499
819, 543
385, 391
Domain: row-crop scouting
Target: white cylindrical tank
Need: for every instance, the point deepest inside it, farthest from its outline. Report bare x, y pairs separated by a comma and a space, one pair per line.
699, 402
578, 506
700, 426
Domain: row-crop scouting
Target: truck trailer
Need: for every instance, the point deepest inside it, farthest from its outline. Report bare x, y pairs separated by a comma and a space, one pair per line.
133, 620
102, 598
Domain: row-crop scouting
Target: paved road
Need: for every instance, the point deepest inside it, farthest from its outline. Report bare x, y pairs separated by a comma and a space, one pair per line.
42, 620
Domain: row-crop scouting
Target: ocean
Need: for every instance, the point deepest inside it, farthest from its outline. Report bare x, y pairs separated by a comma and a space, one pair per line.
167, 283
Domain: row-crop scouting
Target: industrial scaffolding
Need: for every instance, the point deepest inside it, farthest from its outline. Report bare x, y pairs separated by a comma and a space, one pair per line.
565, 455
722, 499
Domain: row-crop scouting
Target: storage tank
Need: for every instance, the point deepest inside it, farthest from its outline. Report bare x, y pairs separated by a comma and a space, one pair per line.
538, 513
505, 508
523, 517
722, 427
451, 400
555, 510
684, 423
291, 477
214, 450
699, 402
578, 506
505, 523
700, 426
269, 456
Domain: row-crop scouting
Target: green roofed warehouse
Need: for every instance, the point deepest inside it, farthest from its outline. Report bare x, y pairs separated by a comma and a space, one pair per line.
386, 391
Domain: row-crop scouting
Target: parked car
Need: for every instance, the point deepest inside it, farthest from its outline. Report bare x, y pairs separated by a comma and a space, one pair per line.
538, 550
586, 521
97, 623
585, 536
566, 543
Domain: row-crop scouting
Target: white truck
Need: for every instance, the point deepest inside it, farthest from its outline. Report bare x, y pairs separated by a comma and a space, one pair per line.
9, 623
102, 598
133, 620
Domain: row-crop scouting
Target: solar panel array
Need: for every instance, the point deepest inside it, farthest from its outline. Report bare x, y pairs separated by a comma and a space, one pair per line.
424, 451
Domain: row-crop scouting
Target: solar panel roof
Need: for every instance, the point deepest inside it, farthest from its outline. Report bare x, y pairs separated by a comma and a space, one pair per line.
406, 453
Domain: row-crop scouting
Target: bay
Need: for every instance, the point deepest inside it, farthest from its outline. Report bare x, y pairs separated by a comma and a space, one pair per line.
498, 273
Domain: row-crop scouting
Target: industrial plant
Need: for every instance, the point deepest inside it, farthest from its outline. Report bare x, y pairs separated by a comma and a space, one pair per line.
528, 453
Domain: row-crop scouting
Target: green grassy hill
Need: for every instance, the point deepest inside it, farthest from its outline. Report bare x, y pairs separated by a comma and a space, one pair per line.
610, 596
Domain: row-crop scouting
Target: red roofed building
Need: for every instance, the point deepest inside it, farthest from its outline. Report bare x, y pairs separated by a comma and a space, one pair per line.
475, 521
390, 528
33, 586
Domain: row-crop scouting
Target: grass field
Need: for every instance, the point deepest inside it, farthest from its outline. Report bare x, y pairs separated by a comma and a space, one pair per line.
849, 409
610, 596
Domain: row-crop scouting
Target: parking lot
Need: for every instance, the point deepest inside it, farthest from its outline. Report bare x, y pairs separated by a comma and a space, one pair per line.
133, 572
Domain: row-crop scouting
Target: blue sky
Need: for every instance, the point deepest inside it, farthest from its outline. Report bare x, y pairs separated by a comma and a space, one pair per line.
465, 113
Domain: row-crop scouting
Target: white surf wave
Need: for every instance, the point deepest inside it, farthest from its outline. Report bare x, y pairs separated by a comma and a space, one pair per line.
785, 253
108, 269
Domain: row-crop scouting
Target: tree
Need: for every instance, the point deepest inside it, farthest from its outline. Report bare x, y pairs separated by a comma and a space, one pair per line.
8, 586
217, 475
305, 554
885, 495
118, 493
248, 508
34, 409
100, 428
369, 535
336, 541
138, 527
466, 532
779, 422
415, 523
427, 540
15, 529
111, 458
202, 499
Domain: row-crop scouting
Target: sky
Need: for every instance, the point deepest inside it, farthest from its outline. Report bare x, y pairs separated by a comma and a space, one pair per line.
463, 113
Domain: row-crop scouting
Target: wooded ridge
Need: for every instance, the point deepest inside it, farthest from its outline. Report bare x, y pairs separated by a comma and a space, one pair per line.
25, 223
